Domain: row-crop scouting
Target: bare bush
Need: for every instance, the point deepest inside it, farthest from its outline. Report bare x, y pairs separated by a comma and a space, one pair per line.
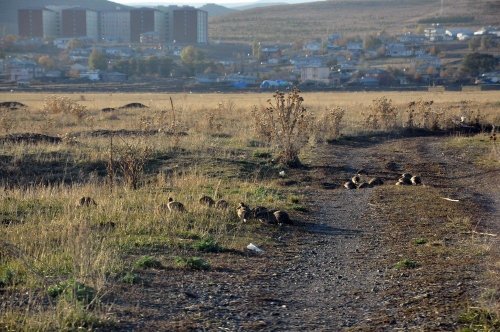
7, 122
328, 126
382, 115
421, 114
64, 105
130, 160
284, 124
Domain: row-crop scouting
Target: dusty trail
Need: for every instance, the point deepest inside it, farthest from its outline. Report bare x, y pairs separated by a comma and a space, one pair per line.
335, 272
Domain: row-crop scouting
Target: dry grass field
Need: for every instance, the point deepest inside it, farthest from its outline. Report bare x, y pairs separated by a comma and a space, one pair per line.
58, 259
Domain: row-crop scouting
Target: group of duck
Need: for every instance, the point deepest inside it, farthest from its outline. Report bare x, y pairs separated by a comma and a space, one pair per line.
263, 214
357, 181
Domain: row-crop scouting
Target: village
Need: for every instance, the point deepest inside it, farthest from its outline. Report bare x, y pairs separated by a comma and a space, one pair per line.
175, 56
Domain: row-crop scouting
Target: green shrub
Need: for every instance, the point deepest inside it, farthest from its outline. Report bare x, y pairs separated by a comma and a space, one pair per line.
130, 278
207, 245
72, 290
406, 264
148, 262
193, 263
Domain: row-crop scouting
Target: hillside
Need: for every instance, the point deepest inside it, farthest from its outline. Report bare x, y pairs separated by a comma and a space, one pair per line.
216, 10
286, 23
8, 9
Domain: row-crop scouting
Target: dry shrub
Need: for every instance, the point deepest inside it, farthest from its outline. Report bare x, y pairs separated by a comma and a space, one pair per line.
7, 121
130, 160
470, 114
328, 126
284, 124
64, 105
422, 115
382, 115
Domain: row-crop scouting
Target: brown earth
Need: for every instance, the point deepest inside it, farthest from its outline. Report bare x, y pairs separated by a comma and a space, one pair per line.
338, 268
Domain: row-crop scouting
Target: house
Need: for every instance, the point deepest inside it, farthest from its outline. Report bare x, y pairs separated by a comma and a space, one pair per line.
487, 31
270, 52
315, 73
411, 38
92, 75
435, 33
354, 46
113, 77
314, 47
454, 32
397, 50
21, 70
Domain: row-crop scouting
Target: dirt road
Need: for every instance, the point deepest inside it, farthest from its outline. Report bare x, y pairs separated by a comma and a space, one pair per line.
375, 259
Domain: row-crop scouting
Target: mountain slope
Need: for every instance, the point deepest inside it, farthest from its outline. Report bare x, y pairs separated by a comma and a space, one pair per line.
216, 10
285, 23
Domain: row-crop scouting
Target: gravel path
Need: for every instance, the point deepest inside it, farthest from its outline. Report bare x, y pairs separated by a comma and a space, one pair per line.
336, 271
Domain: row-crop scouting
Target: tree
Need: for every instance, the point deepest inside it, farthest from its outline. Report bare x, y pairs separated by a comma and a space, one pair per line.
98, 60
191, 57
46, 62
74, 43
256, 47
476, 63
371, 42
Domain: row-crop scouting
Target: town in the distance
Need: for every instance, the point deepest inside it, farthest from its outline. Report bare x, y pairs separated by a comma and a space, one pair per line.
170, 48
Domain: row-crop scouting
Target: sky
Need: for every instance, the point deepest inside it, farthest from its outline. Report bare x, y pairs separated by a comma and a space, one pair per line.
231, 3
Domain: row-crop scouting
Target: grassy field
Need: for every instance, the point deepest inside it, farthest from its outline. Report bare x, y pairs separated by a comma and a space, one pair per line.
58, 258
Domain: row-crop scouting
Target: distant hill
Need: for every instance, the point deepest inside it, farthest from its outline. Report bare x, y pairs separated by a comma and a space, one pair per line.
216, 10
259, 4
286, 23
8, 9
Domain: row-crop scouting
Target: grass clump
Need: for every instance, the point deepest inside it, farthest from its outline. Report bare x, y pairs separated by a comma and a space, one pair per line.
148, 262
130, 278
406, 264
192, 263
208, 245
420, 241
72, 291
478, 319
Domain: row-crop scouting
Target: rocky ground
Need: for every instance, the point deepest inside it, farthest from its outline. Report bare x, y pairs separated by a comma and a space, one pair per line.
384, 258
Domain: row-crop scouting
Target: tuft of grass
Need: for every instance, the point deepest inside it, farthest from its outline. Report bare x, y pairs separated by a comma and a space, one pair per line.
148, 262
130, 278
479, 319
262, 154
406, 264
420, 241
72, 291
208, 245
193, 263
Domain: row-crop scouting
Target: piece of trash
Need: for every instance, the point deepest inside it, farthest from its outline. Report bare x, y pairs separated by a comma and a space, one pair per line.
450, 199
282, 174
254, 248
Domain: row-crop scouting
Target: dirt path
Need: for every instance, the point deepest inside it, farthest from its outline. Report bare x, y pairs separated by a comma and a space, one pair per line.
337, 270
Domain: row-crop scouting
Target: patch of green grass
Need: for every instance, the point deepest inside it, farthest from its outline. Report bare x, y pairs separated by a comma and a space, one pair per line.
262, 154
193, 263
130, 278
147, 262
478, 319
208, 245
406, 264
12, 274
189, 235
420, 241
300, 208
72, 290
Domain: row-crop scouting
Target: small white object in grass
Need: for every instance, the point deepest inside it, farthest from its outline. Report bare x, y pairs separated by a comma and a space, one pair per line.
282, 174
450, 199
254, 248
